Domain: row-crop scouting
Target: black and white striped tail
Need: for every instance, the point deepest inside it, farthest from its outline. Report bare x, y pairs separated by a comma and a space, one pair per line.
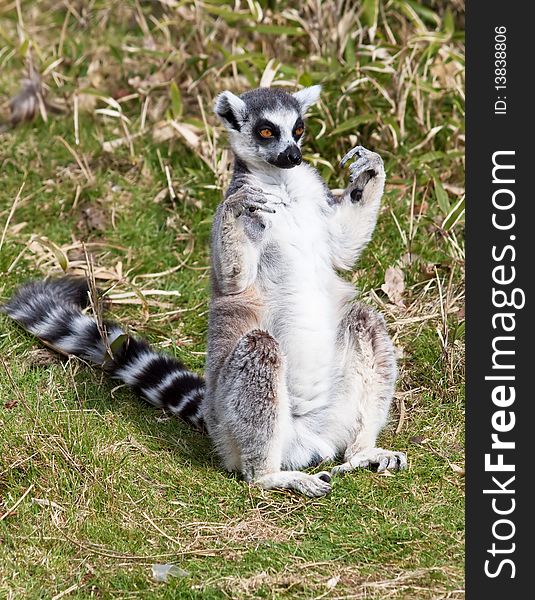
52, 311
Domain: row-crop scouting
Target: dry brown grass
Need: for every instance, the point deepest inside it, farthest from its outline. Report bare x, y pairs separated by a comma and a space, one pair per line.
118, 174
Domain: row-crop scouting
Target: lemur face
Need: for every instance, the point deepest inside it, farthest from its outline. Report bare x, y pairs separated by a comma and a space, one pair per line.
266, 125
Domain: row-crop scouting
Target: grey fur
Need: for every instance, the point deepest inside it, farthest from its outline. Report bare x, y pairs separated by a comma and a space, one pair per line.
257, 423
297, 373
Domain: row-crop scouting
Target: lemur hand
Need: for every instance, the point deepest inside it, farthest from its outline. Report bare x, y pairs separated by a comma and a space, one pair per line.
366, 167
248, 200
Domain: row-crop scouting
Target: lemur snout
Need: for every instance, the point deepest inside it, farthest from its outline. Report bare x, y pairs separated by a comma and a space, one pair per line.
294, 155
291, 157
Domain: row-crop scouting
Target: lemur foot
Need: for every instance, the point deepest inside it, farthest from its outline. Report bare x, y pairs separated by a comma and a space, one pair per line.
312, 486
384, 459
367, 166
248, 200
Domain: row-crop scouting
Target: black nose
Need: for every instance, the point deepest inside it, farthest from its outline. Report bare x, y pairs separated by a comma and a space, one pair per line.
294, 155
288, 158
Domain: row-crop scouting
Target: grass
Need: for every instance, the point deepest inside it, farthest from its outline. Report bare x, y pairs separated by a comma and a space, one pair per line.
96, 487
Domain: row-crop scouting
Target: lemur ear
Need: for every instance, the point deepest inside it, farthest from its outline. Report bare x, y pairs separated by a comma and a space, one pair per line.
230, 109
307, 97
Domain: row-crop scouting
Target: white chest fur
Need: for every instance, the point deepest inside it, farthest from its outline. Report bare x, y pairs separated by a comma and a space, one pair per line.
303, 294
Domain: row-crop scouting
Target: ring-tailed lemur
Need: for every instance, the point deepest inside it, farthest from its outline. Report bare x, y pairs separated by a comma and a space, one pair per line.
297, 373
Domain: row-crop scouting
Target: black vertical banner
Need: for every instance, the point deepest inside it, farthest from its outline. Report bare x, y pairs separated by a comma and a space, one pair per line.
500, 322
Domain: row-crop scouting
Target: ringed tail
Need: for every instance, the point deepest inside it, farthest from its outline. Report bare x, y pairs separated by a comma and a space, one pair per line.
52, 310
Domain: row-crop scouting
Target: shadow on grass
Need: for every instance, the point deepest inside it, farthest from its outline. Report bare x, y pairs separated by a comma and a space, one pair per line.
166, 432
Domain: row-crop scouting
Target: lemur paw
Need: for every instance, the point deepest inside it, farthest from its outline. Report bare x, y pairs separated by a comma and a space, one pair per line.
248, 200
315, 485
312, 486
366, 167
384, 459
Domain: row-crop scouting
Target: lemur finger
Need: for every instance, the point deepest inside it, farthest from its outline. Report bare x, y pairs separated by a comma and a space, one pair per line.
247, 202
279, 198
362, 165
356, 173
359, 164
259, 198
253, 188
246, 191
249, 191
349, 155
254, 205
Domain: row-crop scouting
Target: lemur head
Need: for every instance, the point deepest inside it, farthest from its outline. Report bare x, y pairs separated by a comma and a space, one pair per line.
266, 125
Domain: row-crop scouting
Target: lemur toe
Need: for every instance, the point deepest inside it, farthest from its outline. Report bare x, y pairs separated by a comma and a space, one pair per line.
324, 476
384, 459
314, 486
402, 461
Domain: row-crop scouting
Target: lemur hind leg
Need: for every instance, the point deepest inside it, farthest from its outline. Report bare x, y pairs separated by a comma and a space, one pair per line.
369, 378
257, 416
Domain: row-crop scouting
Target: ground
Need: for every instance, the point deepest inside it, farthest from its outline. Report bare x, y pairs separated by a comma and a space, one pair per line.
119, 173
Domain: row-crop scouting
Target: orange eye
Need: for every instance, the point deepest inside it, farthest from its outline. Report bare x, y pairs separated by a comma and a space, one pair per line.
299, 131
266, 133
